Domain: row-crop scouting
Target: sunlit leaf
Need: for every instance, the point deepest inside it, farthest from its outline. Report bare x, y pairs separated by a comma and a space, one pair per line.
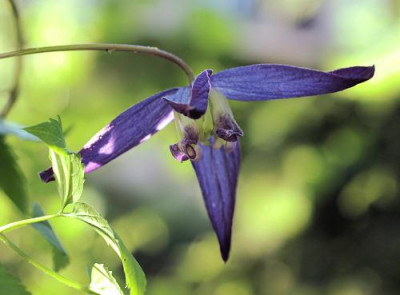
60, 257
67, 167
12, 180
103, 282
10, 285
50, 133
69, 174
135, 278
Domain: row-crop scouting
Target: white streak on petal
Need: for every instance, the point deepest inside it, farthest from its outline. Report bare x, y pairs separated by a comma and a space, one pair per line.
97, 136
164, 122
108, 148
91, 166
146, 138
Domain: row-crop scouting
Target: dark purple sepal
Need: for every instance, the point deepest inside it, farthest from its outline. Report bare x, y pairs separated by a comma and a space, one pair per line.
177, 153
47, 175
217, 172
180, 101
270, 81
192, 101
186, 149
228, 129
129, 129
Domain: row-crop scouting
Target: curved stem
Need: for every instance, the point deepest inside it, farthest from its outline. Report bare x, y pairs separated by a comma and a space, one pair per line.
45, 269
17, 224
109, 48
20, 42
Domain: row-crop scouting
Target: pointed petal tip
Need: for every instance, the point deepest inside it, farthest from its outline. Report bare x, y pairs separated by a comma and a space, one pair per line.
47, 175
224, 236
217, 172
225, 250
360, 73
372, 71
369, 72
273, 81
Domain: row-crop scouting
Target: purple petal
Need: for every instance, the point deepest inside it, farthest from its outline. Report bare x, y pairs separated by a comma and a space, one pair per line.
129, 129
269, 81
217, 172
180, 101
192, 101
47, 175
200, 89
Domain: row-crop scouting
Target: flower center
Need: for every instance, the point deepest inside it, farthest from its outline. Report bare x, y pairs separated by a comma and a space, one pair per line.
217, 122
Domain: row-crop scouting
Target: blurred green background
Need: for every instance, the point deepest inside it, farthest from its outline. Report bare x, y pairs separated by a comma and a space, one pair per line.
318, 207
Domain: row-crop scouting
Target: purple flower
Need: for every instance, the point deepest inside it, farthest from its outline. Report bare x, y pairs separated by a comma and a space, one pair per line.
209, 132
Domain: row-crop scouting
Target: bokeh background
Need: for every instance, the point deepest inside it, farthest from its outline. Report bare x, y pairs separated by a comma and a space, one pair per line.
318, 207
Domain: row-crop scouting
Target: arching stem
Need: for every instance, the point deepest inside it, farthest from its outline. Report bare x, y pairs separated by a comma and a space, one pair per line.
108, 48
20, 43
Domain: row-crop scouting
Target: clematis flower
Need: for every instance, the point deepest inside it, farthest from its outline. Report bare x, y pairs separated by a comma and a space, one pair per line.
210, 135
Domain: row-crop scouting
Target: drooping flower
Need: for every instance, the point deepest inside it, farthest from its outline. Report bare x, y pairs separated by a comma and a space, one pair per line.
209, 132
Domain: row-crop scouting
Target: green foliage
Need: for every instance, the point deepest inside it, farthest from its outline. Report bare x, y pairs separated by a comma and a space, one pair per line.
135, 278
298, 225
103, 282
60, 257
12, 180
69, 174
50, 133
67, 167
10, 285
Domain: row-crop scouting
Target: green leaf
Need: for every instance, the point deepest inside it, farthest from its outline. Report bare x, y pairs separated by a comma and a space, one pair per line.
60, 257
15, 129
134, 275
50, 133
12, 180
9, 284
67, 167
103, 282
69, 174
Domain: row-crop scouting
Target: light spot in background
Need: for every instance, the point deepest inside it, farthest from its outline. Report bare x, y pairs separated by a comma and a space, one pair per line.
271, 213
142, 229
375, 186
278, 278
304, 166
344, 146
233, 288
202, 261
266, 127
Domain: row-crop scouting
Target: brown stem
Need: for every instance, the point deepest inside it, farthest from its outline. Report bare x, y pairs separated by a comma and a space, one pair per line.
108, 48
17, 74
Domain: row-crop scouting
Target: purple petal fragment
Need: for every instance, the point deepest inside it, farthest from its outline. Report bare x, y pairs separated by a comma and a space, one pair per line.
270, 81
47, 175
200, 90
228, 129
129, 129
180, 101
177, 153
192, 101
217, 172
